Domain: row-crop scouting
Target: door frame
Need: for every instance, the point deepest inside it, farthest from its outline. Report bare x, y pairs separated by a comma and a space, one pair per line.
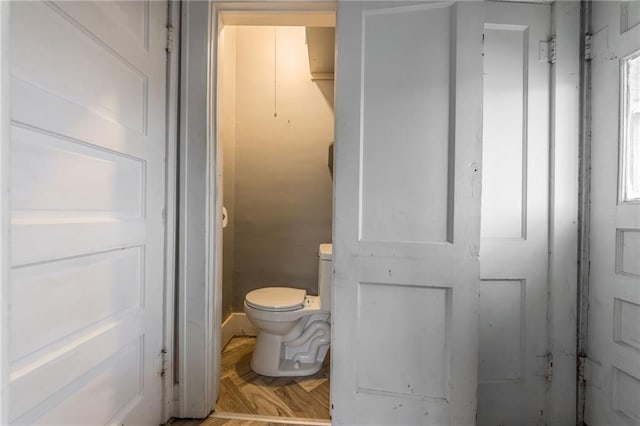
198, 295
584, 211
197, 343
171, 206
5, 209
194, 298
563, 214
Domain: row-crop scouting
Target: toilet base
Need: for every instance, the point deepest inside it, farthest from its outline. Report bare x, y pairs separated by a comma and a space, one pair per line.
289, 368
300, 352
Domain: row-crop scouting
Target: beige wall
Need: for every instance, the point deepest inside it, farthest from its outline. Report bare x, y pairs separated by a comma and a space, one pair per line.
227, 118
282, 190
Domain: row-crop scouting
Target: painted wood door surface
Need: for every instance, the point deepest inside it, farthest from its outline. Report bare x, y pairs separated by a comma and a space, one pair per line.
514, 245
613, 340
407, 218
87, 196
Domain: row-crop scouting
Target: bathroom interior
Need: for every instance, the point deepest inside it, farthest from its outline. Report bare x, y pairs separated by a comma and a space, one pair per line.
276, 126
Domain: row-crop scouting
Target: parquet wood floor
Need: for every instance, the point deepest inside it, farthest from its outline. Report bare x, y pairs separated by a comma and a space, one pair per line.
243, 391
246, 393
213, 421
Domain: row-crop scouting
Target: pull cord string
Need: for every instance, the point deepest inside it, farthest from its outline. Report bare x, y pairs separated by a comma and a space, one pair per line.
275, 71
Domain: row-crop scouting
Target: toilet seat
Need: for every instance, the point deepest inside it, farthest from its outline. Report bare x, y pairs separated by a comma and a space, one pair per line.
276, 299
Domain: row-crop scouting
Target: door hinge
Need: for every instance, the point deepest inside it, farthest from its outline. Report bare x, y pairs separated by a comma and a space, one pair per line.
582, 375
548, 371
587, 47
164, 366
553, 52
169, 38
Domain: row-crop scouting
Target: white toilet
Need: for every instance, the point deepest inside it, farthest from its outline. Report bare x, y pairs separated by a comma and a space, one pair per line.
293, 328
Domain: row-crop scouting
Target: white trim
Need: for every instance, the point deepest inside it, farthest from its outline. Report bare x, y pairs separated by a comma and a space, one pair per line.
270, 18
270, 419
198, 300
299, 6
5, 143
170, 217
213, 215
563, 210
236, 324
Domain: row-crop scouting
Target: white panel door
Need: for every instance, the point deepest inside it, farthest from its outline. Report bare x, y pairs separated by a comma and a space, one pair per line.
613, 340
87, 194
515, 217
407, 219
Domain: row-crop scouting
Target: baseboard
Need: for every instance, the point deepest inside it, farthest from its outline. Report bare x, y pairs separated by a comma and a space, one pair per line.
236, 324
253, 419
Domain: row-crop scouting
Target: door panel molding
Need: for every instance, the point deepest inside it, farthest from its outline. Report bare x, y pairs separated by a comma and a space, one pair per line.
380, 265
87, 197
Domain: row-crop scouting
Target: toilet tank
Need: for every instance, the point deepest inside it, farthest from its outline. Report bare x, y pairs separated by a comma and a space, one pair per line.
325, 275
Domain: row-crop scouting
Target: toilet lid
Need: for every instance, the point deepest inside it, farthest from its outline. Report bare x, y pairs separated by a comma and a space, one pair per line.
276, 298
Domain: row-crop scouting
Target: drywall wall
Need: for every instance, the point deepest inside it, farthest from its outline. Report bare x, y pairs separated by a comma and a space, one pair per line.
226, 136
283, 190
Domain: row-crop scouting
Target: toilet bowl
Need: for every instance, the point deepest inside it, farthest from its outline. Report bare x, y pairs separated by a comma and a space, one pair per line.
293, 327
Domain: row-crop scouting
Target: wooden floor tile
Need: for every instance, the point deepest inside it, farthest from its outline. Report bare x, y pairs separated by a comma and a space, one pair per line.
298, 400
312, 382
322, 392
244, 392
234, 400
233, 422
249, 393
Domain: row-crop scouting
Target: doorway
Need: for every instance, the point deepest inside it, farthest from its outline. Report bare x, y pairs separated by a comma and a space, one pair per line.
275, 135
